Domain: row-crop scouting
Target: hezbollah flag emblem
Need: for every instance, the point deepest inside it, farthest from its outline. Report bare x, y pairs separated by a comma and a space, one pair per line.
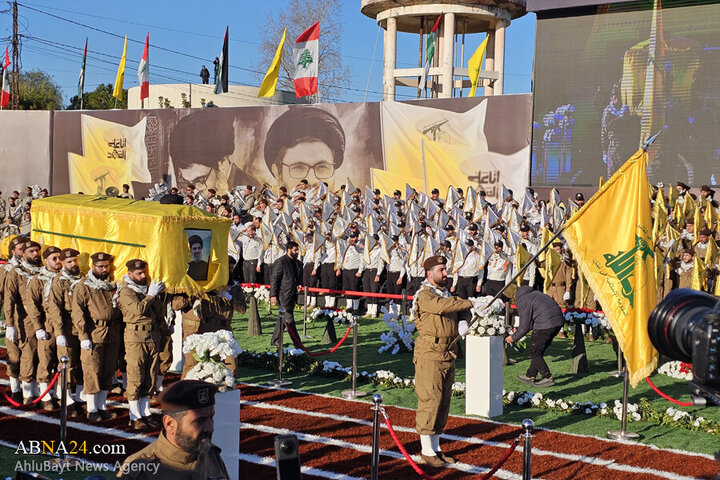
611, 238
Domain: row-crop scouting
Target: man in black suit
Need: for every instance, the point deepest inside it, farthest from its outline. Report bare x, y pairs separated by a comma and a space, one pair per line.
286, 277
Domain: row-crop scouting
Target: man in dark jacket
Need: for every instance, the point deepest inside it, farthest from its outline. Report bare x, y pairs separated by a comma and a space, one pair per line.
541, 314
286, 276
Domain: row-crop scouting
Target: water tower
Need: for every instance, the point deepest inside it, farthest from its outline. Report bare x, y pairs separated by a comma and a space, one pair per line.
459, 18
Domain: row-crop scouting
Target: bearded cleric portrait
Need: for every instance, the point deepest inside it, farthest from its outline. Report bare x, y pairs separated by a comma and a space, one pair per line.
199, 243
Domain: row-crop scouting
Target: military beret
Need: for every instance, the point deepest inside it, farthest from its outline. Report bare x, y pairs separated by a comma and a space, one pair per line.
525, 228
434, 261
187, 395
31, 244
469, 242
683, 185
50, 251
473, 226
376, 191
353, 235
101, 257
136, 264
395, 238
447, 244
689, 221
435, 191
579, 196
705, 188
557, 244
18, 241
397, 192
69, 253
690, 251
499, 243
450, 227
705, 231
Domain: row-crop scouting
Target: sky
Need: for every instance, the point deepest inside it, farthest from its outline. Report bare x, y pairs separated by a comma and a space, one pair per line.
194, 33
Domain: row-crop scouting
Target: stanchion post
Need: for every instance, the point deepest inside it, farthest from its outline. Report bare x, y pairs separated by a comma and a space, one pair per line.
623, 434
63, 403
279, 382
305, 301
352, 393
375, 455
527, 425
403, 305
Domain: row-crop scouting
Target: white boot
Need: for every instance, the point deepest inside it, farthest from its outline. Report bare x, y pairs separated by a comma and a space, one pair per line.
80, 395
27, 390
101, 398
91, 399
329, 301
145, 406
435, 442
42, 387
14, 384
313, 301
356, 305
372, 310
159, 383
36, 389
425, 443
135, 413
70, 400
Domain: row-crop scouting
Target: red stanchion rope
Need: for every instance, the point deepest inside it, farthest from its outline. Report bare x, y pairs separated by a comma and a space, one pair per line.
351, 293
50, 387
502, 461
318, 354
667, 397
400, 446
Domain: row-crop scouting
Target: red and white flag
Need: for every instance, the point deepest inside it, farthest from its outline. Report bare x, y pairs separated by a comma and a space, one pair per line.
5, 96
305, 55
144, 72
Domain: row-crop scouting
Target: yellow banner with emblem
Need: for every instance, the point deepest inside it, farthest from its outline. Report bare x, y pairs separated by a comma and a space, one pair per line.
611, 240
185, 247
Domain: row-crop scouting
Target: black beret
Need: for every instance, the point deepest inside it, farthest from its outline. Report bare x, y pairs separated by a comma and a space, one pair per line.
473, 226
499, 243
435, 191
706, 232
187, 395
397, 192
136, 264
395, 238
50, 251
31, 244
689, 251
524, 228
69, 253
469, 242
353, 234
376, 191
447, 244
683, 185
557, 244
450, 227
434, 261
579, 196
101, 257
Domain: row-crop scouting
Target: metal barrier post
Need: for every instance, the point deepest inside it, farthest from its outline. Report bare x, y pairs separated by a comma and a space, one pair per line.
403, 305
527, 425
375, 455
305, 296
352, 393
63, 404
279, 382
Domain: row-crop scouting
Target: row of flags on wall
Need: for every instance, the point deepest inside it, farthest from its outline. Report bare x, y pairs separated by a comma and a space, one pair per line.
305, 62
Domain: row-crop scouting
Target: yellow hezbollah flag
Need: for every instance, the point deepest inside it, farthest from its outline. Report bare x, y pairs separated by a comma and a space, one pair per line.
118, 90
129, 229
611, 240
521, 259
269, 83
474, 65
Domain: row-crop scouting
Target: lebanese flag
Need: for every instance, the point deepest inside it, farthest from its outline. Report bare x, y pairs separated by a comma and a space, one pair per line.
144, 72
305, 55
5, 96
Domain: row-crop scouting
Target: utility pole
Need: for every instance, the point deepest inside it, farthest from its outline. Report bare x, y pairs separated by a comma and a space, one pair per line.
15, 83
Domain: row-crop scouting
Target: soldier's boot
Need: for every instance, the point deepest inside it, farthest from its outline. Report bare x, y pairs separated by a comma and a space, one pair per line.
136, 418
330, 301
16, 389
146, 413
105, 414
48, 402
435, 442
91, 407
80, 395
159, 383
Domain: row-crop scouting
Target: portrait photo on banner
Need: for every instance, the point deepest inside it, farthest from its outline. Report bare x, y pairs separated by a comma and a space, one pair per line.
199, 242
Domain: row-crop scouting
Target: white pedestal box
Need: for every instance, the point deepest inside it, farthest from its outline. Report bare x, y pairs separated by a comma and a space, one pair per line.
484, 375
227, 429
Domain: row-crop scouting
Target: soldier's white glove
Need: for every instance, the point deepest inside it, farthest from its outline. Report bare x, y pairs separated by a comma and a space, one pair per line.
566, 296
42, 335
463, 328
61, 341
86, 345
11, 334
155, 288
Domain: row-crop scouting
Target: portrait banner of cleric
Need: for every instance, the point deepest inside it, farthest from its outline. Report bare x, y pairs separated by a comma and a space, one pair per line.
184, 448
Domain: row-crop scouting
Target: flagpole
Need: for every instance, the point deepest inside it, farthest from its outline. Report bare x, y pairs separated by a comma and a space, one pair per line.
515, 277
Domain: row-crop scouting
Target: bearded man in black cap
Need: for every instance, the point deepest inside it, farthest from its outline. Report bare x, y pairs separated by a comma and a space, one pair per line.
439, 317
184, 448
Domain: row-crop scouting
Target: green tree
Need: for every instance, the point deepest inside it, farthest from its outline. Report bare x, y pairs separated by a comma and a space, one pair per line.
99, 99
38, 91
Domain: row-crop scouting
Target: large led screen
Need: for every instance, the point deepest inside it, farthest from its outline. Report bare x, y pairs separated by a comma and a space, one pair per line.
608, 77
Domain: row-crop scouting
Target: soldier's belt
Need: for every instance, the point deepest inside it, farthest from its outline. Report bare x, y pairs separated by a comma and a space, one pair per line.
561, 284
138, 327
103, 323
438, 340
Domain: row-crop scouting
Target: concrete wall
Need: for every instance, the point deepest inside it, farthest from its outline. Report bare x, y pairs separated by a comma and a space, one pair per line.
238, 96
25, 142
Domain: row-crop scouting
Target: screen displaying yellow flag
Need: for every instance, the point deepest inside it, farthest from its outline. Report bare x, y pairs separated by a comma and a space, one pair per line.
611, 240
269, 83
474, 65
118, 90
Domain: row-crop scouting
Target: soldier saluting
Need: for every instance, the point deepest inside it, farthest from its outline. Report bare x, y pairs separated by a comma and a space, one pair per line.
439, 317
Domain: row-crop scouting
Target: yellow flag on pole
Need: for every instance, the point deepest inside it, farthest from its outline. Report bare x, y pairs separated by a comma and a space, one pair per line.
269, 83
611, 239
118, 90
474, 65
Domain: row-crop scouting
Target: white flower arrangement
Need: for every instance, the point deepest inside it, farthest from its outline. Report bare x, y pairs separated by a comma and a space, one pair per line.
489, 318
336, 315
677, 369
591, 319
389, 379
400, 337
210, 350
260, 292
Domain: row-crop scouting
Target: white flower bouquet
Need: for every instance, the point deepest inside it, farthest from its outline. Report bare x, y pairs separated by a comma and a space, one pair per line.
677, 369
210, 350
335, 314
260, 292
399, 338
489, 319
